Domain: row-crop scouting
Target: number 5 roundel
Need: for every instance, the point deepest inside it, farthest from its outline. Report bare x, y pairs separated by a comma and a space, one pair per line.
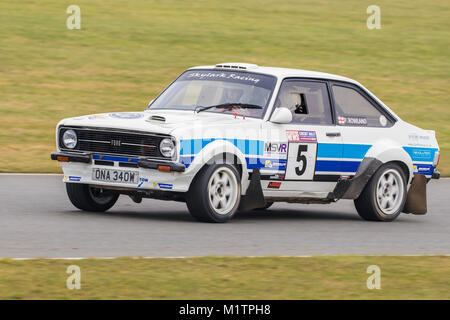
302, 150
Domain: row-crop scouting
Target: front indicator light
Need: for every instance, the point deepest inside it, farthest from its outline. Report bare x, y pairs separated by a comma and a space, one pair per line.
62, 159
164, 168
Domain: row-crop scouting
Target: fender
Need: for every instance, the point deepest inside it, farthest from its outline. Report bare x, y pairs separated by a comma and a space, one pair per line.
352, 188
387, 150
209, 154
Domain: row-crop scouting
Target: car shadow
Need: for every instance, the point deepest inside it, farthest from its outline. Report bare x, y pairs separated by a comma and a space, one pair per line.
296, 214
255, 215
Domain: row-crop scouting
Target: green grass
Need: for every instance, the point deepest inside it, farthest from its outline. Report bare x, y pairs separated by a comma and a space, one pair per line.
128, 50
320, 277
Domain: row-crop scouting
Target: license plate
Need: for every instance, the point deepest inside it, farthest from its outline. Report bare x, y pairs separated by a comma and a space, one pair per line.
109, 175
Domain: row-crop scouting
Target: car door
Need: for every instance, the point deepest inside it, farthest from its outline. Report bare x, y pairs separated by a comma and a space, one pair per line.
361, 120
313, 143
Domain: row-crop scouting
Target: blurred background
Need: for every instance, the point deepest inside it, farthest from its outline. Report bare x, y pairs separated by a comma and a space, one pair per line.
128, 51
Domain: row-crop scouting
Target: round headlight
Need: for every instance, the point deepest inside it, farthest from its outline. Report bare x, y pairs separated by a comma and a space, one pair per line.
69, 139
167, 148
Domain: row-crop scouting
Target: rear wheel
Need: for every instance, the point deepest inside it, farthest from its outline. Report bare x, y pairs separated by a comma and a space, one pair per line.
215, 193
384, 196
89, 198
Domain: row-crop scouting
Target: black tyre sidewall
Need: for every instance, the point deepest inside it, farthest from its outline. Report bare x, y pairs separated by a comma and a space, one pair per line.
367, 204
198, 196
82, 199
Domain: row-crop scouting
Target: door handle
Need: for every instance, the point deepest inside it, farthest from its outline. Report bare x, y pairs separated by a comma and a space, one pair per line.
333, 134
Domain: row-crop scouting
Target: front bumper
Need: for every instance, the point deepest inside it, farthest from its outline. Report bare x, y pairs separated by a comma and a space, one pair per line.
153, 174
71, 157
142, 163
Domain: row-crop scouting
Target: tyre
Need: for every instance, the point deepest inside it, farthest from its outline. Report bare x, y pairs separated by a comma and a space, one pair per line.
267, 206
384, 196
215, 193
88, 198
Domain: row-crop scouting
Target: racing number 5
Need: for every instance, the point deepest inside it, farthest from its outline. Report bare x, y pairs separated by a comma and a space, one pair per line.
301, 159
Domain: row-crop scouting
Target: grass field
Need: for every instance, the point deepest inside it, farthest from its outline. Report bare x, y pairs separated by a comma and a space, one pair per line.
128, 50
321, 277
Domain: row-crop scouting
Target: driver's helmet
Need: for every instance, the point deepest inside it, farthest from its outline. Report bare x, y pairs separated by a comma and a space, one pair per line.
232, 95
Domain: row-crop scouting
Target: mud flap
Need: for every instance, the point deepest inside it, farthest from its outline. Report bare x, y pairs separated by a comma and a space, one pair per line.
254, 197
416, 200
352, 188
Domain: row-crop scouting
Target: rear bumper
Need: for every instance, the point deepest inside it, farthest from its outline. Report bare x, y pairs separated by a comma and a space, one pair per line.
436, 175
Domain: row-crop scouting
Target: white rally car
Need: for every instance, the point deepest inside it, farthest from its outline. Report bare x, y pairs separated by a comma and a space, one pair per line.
237, 136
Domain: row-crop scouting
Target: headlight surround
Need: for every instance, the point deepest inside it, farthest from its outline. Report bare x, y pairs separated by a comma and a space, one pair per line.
167, 147
69, 139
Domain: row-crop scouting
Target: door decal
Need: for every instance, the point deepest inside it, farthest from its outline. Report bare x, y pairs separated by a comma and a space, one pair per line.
302, 151
301, 163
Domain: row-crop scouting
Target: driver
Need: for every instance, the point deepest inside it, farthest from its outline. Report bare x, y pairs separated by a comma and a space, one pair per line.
232, 95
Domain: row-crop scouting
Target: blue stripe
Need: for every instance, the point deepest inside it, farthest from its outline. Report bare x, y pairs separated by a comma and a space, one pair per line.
337, 166
339, 150
187, 160
247, 147
114, 158
421, 154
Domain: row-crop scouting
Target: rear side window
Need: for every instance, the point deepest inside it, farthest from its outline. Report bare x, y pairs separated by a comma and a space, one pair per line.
353, 109
307, 100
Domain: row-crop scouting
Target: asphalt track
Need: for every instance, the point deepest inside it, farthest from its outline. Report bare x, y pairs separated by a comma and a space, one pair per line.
37, 220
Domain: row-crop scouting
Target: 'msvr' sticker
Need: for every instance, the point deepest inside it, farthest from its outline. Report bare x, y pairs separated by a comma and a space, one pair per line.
275, 148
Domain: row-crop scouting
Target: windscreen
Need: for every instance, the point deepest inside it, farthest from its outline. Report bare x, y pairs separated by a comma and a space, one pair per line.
197, 89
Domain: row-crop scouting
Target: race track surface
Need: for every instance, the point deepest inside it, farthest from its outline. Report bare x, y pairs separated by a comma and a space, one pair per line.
37, 220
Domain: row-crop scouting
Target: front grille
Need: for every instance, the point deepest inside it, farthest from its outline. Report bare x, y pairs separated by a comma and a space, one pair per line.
115, 142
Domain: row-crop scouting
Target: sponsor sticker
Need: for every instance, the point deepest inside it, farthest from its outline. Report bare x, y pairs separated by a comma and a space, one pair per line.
126, 115
307, 136
275, 148
383, 121
274, 163
357, 121
141, 181
98, 116
292, 135
223, 75
301, 136
352, 121
274, 185
165, 186
72, 178
277, 177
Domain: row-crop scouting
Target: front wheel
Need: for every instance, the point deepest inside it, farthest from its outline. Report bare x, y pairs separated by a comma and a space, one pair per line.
89, 198
215, 193
384, 196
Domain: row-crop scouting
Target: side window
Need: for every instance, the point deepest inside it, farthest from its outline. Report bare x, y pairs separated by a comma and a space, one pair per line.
307, 100
353, 109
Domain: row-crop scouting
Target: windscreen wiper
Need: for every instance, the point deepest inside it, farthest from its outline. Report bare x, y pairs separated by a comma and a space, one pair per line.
229, 105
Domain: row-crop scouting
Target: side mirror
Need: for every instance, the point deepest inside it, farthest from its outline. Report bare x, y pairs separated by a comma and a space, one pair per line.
281, 115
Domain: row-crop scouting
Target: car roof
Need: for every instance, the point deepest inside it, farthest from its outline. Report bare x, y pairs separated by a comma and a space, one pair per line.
282, 73
278, 72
